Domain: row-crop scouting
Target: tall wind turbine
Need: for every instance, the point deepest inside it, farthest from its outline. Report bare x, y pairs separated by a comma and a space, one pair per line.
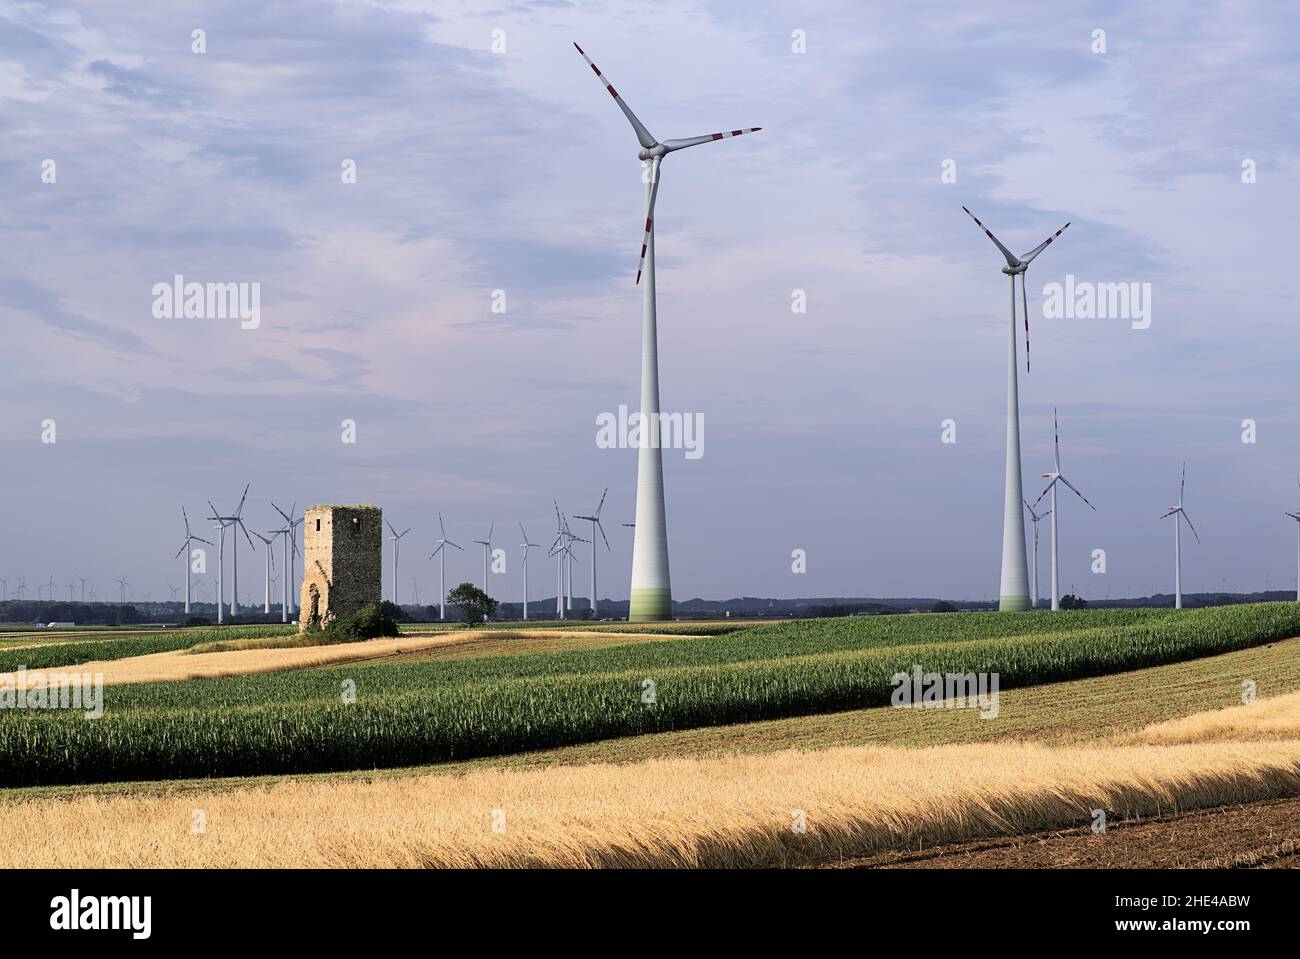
651, 590
235, 520
50, 586
1296, 517
396, 537
1055, 477
1014, 592
185, 548
487, 551
1033, 583
1177, 512
72, 584
594, 520
526, 546
443, 542
122, 583
270, 561
82, 581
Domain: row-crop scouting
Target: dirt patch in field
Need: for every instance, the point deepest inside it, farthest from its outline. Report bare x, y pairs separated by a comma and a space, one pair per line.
1263, 835
182, 664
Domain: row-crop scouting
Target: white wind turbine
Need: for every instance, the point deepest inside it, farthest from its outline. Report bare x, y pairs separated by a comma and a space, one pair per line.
1014, 591
651, 598
594, 520
122, 584
270, 562
1296, 517
396, 537
185, 548
291, 551
526, 546
443, 542
82, 581
50, 586
235, 520
487, 551
1034, 518
1177, 512
1055, 477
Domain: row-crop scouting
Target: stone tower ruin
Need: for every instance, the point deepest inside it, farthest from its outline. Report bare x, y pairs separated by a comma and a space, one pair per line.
342, 562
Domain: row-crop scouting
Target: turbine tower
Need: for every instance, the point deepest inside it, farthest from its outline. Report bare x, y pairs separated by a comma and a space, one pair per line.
1014, 591
442, 567
1033, 583
1177, 512
396, 537
185, 548
1055, 477
290, 542
594, 520
651, 598
270, 561
487, 552
526, 546
235, 520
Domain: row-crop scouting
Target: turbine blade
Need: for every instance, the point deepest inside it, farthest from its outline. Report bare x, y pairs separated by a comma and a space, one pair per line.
601, 505
1045, 492
186, 545
1183, 513
1029, 257
603, 536
457, 545
1056, 423
438, 550
649, 216
1181, 483
673, 145
1170, 513
405, 531
1076, 492
1010, 257
642, 134
1024, 300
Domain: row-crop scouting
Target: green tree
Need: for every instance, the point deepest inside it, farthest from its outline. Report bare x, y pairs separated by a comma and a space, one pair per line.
943, 606
473, 602
1070, 601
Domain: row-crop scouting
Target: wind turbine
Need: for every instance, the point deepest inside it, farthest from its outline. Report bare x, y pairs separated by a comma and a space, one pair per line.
1034, 518
651, 598
71, 584
1014, 592
1055, 477
396, 537
270, 561
487, 550
1178, 512
21, 588
4, 588
236, 521
526, 546
291, 540
82, 581
1296, 517
122, 583
594, 520
170, 588
50, 586
442, 568
185, 548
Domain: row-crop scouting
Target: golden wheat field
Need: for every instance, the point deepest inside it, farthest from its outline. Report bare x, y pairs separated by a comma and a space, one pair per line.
731, 811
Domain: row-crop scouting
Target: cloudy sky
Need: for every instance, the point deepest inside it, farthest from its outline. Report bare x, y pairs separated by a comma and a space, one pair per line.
488, 158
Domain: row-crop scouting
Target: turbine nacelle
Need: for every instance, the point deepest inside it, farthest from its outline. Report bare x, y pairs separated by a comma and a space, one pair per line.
652, 153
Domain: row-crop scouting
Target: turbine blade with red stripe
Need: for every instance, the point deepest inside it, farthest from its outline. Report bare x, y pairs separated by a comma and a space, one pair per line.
642, 134
1029, 257
1010, 257
649, 215
1024, 301
671, 145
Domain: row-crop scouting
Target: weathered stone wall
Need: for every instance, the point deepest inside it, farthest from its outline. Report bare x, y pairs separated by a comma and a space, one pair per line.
342, 561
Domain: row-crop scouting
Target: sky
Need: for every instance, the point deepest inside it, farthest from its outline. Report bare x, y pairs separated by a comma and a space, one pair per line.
493, 171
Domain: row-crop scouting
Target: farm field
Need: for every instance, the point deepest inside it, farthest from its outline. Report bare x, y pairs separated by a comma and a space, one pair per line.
426, 712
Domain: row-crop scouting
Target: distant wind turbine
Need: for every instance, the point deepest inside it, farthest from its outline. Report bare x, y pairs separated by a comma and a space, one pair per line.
1055, 477
526, 546
396, 537
1034, 518
270, 562
1296, 517
594, 520
1177, 512
185, 548
443, 542
291, 551
122, 584
487, 550
1014, 592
